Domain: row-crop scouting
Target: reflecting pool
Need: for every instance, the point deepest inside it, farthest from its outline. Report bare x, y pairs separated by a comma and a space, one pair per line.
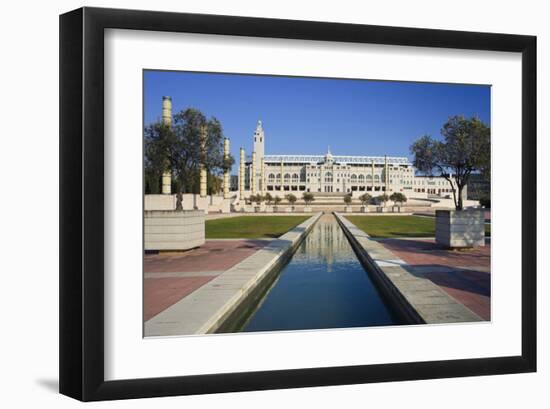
322, 286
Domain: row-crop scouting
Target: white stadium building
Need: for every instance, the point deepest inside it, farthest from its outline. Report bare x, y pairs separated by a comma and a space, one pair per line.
332, 174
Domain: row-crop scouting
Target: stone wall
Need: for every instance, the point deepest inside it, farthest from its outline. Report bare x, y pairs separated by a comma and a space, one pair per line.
159, 202
465, 228
171, 230
190, 201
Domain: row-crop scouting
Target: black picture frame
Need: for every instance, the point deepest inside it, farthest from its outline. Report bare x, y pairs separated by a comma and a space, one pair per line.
82, 198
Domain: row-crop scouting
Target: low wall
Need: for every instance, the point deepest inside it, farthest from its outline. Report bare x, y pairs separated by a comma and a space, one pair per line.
171, 230
450, 204
159, 202
190, 201
216, 305
464, 228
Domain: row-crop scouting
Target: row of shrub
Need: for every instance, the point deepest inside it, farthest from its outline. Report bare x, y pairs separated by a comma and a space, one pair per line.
381, 199
308, 198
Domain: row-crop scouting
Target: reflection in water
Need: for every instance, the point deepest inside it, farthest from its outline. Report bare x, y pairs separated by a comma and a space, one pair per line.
323, 286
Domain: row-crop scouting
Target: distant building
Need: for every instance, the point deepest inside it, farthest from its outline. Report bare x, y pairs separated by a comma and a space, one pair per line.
234, 183
330, 173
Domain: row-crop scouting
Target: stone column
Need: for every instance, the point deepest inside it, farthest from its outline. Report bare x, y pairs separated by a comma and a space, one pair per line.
167, 121
253, 174
386, 178
226, 172
241, 176
282, 177
262, 177
372, 171
203, 176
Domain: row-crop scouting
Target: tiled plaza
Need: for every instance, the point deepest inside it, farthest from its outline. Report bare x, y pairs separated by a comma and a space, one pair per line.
463, 274
169, 277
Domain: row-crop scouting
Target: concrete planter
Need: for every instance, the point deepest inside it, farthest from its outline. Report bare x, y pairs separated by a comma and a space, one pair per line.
276, 209
307, 209
289, 209
460, 228
348, 209
257, 209
171, 230
396, 209
269, 209
381, 209
365, 209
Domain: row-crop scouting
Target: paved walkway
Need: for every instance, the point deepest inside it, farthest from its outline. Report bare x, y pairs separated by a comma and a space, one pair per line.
463, 274
169, 277
215, 299
416, 298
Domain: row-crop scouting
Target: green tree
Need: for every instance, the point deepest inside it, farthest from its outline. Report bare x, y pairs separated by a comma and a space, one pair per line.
382, 199
398, 197
347, 199
159, 144
277, 200
291, 199
466, 148
365, 199
257, 199
181, 149
308, 198
268, 198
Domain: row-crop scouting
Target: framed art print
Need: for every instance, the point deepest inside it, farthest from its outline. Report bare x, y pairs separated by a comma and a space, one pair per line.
254, 204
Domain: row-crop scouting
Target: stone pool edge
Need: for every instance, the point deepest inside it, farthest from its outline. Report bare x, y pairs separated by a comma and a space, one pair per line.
209, 307
416, 300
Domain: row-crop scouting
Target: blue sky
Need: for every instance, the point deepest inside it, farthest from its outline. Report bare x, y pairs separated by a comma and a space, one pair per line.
305, 115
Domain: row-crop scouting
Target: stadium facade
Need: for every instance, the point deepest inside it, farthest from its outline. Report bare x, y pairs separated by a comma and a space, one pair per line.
332, 174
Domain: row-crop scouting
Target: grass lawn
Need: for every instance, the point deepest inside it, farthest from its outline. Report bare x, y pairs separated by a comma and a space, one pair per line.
399, 226
251, 227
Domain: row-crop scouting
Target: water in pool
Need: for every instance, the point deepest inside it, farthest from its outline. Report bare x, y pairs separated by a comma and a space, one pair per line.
323, 286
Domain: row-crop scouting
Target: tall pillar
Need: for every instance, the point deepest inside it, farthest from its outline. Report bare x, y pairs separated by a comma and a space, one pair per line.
372, 173
282, 176
386, 178
262, 177
226, 172
253, 174
167, 121
203, 176
241, 176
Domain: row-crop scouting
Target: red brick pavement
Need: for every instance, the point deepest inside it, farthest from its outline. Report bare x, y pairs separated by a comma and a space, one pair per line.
214, 256
161, 293
463, 281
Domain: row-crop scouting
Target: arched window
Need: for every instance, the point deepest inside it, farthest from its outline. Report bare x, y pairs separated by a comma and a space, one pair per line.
278, 177
328, 177
295, 178
287, 177
377, 178
369, 178
271, 177
354, 178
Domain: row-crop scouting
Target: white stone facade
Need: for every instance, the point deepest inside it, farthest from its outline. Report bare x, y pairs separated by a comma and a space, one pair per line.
283, 174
